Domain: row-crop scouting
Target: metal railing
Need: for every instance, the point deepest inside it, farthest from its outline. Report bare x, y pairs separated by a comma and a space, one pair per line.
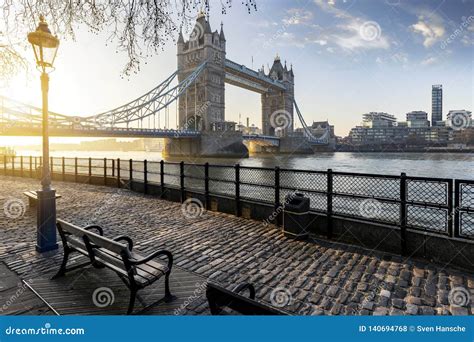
436, 205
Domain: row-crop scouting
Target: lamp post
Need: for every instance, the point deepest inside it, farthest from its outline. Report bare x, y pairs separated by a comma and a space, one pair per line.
45, 47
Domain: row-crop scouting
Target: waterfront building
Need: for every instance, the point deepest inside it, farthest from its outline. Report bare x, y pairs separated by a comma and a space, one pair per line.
436, 104
417, 118
378, 119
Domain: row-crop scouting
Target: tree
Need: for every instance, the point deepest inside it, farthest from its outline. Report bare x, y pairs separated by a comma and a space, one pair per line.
139, 28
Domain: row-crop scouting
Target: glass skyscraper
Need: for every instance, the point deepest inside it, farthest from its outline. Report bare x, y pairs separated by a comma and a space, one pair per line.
436, 104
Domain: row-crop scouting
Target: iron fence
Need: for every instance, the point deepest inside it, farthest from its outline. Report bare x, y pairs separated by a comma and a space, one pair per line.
436, 205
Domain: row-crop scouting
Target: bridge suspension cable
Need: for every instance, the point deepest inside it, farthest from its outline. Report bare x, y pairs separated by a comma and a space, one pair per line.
323, 140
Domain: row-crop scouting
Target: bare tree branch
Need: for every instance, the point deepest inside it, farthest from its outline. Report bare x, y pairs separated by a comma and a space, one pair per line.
139, 28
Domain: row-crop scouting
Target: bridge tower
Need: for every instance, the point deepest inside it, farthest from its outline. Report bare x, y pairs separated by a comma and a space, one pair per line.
277, 105
204, 102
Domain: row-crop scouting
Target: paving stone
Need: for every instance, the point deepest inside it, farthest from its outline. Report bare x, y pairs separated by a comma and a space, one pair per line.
330, 278
380, 311
412, 309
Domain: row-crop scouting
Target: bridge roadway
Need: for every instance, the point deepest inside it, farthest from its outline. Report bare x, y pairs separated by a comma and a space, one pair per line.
19, 129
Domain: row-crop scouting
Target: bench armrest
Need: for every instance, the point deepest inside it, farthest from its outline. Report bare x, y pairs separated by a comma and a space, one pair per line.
125, 238
245, 286
154, 255
94, 226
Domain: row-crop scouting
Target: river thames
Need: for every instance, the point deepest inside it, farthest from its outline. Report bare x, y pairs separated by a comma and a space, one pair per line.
443, 165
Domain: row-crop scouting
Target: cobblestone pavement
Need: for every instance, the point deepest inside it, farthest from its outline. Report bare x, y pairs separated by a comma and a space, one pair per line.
310, 278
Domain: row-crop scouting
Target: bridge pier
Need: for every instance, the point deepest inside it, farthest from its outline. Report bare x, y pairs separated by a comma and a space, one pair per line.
209, 144
295, 145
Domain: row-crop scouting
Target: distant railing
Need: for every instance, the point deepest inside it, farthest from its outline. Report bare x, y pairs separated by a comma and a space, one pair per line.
436, 205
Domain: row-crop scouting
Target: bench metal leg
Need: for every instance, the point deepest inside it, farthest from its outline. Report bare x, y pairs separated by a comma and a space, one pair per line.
62, 269
133, 293
168, 296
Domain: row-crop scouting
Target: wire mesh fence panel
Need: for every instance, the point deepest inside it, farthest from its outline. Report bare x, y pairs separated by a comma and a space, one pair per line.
427, 218
83, 166
154, 172
222, 188
258, 193
57, 165
194, 184
318, 201
368, 186
466, 208
195, 171
97, 167
257, 176
172, 174
69, 165
303, 180
226, 173
426, 191
367, 209
466, 224
138, 170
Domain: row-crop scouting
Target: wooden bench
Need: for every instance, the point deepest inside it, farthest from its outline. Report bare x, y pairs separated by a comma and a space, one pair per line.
220, 297
33, 197
135, 270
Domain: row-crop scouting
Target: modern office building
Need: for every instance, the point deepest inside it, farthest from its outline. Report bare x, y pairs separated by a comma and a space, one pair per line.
378, 119
436, 104
417, 119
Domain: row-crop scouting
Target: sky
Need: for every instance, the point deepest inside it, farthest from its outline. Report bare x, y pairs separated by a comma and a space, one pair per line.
349, 57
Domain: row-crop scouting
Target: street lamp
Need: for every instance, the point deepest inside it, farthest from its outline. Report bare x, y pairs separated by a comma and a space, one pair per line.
45, 47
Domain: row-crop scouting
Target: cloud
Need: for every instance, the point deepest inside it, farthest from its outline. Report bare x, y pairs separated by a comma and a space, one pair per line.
429, 61
353, 33
431, 27
297, 16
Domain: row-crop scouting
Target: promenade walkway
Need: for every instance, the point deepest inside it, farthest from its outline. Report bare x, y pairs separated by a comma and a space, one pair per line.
310, 278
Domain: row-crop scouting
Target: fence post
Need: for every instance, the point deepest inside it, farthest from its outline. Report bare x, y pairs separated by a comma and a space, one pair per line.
90, 170
277, 196
237, 190
162, 178
21, 166
118, 173
105, 171
181, 181
329, 202
31, 166
145, 176
403, 213
13, 165
130, 173
113, 167
5, 157
75, 169
51, 167
64, 168
457, 205
206, 186
450, 208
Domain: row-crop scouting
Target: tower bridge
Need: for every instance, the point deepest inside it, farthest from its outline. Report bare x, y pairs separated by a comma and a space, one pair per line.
197, 89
